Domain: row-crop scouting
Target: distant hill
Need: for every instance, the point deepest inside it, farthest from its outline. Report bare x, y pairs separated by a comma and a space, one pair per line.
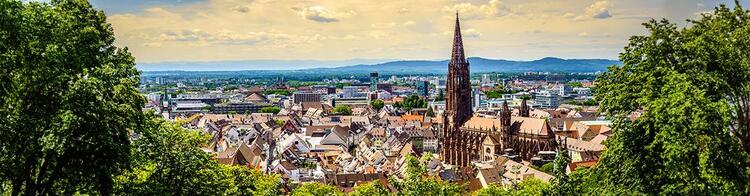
549, 64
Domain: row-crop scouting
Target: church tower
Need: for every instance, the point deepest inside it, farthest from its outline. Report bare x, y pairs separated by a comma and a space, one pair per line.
524, 110
458, 104
458, 99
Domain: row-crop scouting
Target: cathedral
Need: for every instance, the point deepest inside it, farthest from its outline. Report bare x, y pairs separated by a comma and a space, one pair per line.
467, 137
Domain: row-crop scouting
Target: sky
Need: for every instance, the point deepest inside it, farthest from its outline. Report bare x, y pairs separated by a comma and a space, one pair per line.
232, 30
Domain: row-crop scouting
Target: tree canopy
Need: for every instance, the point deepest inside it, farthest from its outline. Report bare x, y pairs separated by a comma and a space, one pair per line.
167, 158
370, 189
270, 109
316, 189
68, 97
377, 104
679, 106
342, 110
416, 183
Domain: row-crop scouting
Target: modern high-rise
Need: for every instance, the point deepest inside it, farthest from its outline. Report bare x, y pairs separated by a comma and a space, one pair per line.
423, 88
373, 81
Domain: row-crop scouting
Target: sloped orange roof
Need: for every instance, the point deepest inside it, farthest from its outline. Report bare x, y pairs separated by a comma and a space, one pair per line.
482, 123
413, 118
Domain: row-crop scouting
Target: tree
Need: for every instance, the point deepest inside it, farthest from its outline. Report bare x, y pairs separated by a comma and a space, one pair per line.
575, 84
416, 183
68, 99
316, 189
279, 122
413, 101
377, 104
692, 87
547, 168
430, 112
441, 96
277, 92
398, 104
370, 189
270, 109
251, 182
561, 184
167, 158
531, 186
342, 110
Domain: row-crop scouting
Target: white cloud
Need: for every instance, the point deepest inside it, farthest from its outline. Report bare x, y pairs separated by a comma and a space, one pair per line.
322, 14
378, 34
152, 44
392, 25
226, 37
271, 29
241, 9
599, 10
493, 8
470, 33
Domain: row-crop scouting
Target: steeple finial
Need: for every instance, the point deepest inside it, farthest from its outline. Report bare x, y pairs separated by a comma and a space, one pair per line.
457, 55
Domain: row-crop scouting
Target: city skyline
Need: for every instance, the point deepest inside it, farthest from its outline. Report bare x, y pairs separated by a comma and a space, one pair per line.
231, 30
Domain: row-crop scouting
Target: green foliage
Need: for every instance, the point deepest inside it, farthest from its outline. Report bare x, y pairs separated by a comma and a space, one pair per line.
398, 105
316, 189
342, 110
575, 84
498, 93
231, 88
688, 141
166, 158
416, 183
277, 92
68, 99
278, 122
561, 184
531, 186
525, 97
341, 85
246, 181
412, 101
270, 109
430, 112
441, 96
374, 188
377, 104
547, 168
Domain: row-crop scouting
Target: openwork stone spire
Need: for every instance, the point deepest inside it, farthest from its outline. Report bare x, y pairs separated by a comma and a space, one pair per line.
457, 55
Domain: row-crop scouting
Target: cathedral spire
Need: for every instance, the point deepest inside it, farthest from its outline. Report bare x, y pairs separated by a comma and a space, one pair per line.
457, 54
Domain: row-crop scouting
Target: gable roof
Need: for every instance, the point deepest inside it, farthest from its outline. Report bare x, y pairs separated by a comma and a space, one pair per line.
489, 175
